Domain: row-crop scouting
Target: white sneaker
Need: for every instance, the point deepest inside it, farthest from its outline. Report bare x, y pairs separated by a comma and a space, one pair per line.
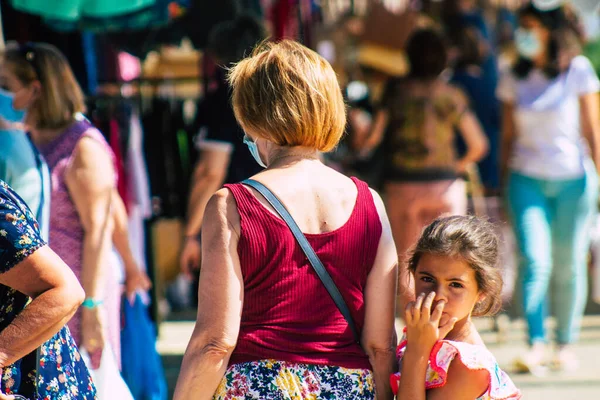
565, 360
533, 361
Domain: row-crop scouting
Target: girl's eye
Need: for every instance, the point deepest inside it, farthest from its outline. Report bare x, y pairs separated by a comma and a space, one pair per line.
456, 285
426, 279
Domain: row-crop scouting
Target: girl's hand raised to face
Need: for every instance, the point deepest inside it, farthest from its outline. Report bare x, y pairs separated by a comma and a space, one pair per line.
423, 327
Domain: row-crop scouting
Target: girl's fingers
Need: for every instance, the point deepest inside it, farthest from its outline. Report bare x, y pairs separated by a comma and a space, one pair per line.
427, 303
408, 312
447, 327
436, 315
417, 308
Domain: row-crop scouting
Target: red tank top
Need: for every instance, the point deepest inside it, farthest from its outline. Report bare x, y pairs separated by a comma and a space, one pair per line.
288, 314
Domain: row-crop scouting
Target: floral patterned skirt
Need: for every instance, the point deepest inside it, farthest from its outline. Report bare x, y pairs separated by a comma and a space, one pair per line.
270, 380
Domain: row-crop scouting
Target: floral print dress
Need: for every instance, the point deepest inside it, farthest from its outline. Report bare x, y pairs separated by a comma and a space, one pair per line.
62, 374
474, 357
280, 380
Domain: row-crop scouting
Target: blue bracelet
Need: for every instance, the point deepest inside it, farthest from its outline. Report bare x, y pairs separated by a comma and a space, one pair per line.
91, 303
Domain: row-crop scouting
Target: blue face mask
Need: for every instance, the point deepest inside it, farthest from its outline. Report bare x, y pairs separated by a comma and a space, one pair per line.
254, 150
527, 43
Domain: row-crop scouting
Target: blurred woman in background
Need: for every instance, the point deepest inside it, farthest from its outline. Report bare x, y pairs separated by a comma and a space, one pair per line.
416, 122
550, 157
85, 206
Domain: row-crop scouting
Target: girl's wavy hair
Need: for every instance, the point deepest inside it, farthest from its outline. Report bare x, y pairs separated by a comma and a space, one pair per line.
473, 240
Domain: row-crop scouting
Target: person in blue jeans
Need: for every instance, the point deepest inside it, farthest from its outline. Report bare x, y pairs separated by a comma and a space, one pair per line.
550, 153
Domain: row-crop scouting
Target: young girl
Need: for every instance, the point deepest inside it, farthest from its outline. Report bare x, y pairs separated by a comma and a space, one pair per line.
454, 269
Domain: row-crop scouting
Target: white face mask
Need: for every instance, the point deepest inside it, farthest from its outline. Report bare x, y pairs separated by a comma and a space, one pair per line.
252, 146
584, 6
527, 43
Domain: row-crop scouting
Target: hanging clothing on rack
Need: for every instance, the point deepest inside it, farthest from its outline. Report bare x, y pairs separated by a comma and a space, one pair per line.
129, 66
167, 145
23, 27
115, 144
283, 17
140, 203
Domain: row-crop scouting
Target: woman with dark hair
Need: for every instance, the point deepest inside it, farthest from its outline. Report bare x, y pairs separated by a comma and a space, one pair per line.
472, 74
550, 157
416, 121
222, 156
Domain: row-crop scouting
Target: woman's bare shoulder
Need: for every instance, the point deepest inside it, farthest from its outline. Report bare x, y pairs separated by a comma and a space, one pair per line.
222, 209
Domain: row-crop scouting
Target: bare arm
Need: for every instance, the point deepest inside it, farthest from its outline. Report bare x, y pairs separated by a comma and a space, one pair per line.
90, 181
360, 123
589, 105
135, 277
220, 298
366, 143
56, 295
209, 175
462, 383
475, 139
508, 137
120, 236
379, 333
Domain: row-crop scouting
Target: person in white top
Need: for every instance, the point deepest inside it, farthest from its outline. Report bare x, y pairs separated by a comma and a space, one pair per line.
550, 156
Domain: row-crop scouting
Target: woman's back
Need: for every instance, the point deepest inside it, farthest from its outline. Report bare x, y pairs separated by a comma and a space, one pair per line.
259, 299
421, 134
320, 199
287, 313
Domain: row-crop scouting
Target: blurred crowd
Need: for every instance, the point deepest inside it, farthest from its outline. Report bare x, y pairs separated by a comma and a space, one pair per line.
454, 107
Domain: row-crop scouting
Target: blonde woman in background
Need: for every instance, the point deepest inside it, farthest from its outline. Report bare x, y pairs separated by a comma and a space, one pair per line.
85, 209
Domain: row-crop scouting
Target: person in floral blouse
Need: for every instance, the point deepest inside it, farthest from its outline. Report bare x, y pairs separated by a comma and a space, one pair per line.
38, 295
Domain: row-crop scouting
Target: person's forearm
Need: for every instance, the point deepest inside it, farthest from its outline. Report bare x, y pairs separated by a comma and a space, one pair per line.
38, 322
120, 236
589, 108
507, 139
375, 135
384, 364
413, 374
201, 372
96, 249
594, 145
473, 156
202, 191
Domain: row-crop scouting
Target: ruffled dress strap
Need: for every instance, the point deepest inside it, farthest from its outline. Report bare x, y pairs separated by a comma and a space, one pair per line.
474, 357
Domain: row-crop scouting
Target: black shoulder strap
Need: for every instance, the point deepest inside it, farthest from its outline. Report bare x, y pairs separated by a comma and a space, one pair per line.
308, 250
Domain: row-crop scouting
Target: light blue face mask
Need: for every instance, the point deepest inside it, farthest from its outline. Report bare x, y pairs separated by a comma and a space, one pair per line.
527, 43
254, 150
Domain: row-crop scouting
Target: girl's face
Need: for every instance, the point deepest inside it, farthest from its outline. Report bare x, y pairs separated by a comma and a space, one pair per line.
532, 37
23, 95
452, 280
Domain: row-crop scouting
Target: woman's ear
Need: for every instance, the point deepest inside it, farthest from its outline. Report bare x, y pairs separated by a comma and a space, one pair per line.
481, 298
36, 89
